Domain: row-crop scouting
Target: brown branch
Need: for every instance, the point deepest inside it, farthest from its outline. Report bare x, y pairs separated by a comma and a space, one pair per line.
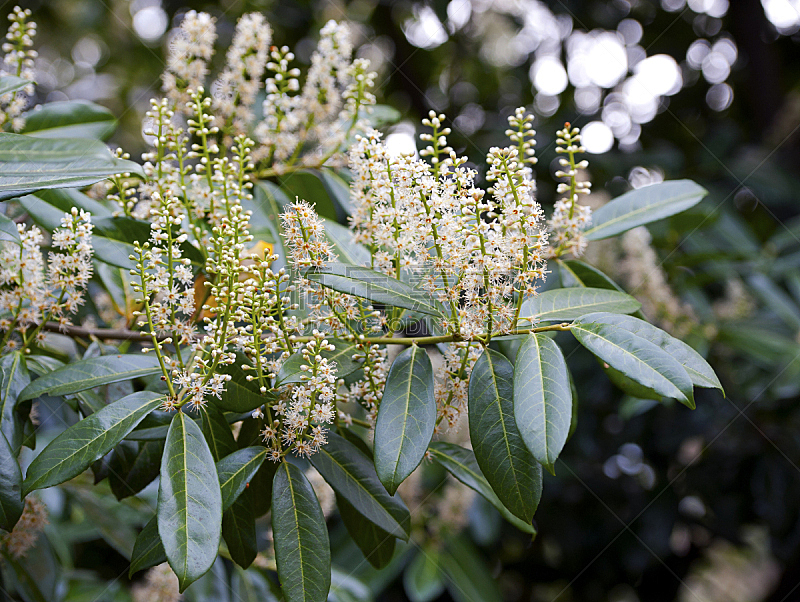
120, 334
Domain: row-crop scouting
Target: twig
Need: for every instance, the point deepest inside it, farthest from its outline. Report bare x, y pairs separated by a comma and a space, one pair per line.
120, 334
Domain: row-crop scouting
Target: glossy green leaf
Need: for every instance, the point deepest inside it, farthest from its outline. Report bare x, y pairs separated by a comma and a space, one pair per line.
74, 449
239, 532
368, 284
345, 246
542, 398
189, 502
698, 369
572, 303
635, 357
376, 544
302, 548
12, 83
423, 580
644, 205
241, 395
461, 463
352, 475
93, 372
499, 448
236, 470
14, 378
11, 504
342, 356
306, 185
8, 230
28, 164
70, 119
406, 417
133, 466
148, 551
217, 432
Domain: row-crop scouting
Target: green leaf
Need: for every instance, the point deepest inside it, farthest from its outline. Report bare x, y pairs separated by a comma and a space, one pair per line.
698, 369
73, 450
368, 284
376, 544
28, 164
8, 230
11, 504
644, 205
635, 357
423, 581
406, 417
499, 448
572, 303
241, 395
93, 372
306, 185
133, 466
344, 245
12, 83
468, 576
352, 475
302, 549
239, 533
542, 398
15, 378
189, 502
461, 463
217, 432
342, 356
70, 119
148, 551
236, 470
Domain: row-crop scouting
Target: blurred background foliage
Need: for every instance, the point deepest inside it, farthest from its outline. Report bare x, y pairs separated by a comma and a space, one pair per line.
650, 502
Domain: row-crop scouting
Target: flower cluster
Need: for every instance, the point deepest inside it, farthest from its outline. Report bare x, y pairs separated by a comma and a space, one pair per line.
18, 61
301, 125
31, 293
570, 218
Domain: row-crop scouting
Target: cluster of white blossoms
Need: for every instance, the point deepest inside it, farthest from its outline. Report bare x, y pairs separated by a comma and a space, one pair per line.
18, 61
570, 218
32, 293
300, 126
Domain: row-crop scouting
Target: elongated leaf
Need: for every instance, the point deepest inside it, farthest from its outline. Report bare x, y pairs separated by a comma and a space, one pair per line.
240, 395
148, 551
366, 283
499, 448
461, 463
8, 230
302, 549
239, 532
11, 504
468, 577
133, 466
15, 379
28, 164
217, 432
635, 357
12, 83
93, 372
352, 475
73, 450
189, 502
542, 398
644, 205
236, 470
572, 303
423, 580
376, 544
70, 119
701, 374
344, 245
406, 417
342, 356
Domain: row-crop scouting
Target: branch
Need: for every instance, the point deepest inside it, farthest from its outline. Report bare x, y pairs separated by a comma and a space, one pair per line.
120, 334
